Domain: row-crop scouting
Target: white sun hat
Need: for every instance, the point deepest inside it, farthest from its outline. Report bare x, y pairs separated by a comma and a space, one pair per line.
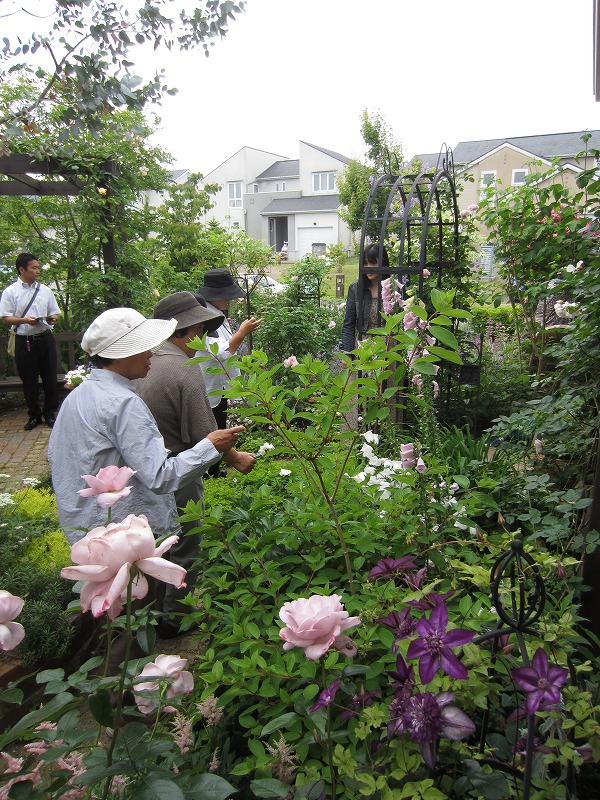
124, 332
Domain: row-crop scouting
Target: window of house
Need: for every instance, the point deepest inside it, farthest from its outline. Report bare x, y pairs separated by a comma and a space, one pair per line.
234, 190
323, 182
518, 177
255, 188
487, 179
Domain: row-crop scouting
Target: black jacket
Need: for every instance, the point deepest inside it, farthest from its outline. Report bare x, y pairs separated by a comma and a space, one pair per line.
350, 330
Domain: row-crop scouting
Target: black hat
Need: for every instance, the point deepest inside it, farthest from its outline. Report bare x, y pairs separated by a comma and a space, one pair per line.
219, 285
187, 310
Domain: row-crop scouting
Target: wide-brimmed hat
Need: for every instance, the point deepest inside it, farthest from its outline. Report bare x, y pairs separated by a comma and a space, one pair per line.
124, 332
187, 310
219, 285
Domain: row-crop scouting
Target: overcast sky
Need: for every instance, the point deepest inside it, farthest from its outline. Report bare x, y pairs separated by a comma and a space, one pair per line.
437, 71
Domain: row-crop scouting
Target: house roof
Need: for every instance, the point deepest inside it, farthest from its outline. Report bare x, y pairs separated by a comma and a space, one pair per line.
290, 168
331, 153
299, 205
176, 174
245, 147
547, 146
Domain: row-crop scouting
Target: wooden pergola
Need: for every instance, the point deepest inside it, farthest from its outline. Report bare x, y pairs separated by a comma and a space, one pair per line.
24, 176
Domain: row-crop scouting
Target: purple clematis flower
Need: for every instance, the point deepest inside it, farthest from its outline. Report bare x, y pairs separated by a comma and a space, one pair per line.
427, 717
541, 682
327, 696
430, 601
390, 567
360, 700
401, 623
432, 648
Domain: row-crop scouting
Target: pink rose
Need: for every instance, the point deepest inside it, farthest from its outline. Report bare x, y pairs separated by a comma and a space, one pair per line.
105, 557
108, 486
314, 624
331, 324
166, 670
292, 361
11, 633
426, 273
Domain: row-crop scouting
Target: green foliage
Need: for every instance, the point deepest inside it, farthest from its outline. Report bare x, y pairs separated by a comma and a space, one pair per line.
297, 330
32, 552
91, 49
502, 315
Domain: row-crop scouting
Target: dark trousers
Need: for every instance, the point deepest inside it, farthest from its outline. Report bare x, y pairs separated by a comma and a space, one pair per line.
36, 358
185, 553
220, 415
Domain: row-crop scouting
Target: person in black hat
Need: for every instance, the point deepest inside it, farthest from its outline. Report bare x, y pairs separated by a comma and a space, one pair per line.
218, 290
174, 392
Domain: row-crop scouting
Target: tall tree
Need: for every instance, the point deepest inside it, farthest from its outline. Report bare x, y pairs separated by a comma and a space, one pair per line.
88, 54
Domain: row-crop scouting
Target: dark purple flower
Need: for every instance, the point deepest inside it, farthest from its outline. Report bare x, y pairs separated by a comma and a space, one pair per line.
432, 648
327, 696
360, 700
404, 676
426, 717
541, 682
401, 623
430, 601
414, 580
390, 567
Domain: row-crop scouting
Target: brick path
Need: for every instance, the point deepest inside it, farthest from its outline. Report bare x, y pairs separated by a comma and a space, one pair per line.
23, 454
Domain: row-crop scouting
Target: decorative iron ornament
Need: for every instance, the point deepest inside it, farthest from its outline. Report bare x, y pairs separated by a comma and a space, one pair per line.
519, 597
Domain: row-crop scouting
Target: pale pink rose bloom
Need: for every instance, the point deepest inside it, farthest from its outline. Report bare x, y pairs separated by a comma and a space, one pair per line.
105, 557
11, 633
314, 623
407, 456
421, 466
163, 668
426, 273
331, 324
108, 486
294, 278
465, 213
473, 207
292, 361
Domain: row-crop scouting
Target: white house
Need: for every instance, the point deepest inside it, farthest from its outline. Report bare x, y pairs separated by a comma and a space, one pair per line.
279, 200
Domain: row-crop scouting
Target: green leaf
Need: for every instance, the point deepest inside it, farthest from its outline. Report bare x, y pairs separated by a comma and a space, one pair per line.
49, 711
444, 336
284, 721
11, 696
146, 636
210, 787
269, 787
101, 708
159, 788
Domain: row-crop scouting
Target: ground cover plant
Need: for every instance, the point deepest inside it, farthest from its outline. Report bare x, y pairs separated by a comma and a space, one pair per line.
342, 599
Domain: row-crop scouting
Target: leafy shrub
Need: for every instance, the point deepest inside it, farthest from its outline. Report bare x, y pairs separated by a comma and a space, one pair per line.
499, 315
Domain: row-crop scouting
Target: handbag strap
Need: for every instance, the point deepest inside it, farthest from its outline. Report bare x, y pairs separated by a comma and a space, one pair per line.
29, 304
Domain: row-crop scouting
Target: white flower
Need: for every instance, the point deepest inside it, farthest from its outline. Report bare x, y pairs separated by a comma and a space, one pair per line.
285, 472
372, 438
359, 477
6, 499
264, 448
367, 450
33, 482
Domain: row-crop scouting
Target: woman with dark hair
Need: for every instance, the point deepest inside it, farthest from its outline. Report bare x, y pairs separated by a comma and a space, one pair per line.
368, 313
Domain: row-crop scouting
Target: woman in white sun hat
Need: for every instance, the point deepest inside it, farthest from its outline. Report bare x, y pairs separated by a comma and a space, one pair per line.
104, 422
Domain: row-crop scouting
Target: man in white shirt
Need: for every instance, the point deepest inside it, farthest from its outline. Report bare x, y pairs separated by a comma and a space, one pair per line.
218, 290
31, 308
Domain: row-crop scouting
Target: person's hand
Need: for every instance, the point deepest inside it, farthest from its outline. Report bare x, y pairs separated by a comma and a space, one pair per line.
30, 321
249, 325
240, 460
225, 439
51, 319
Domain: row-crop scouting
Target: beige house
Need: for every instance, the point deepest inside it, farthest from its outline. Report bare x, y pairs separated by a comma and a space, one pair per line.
507, 162
290, 204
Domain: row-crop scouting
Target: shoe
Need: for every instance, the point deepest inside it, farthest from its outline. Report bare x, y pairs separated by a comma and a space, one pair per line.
33, 423
167, 630
50, 421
